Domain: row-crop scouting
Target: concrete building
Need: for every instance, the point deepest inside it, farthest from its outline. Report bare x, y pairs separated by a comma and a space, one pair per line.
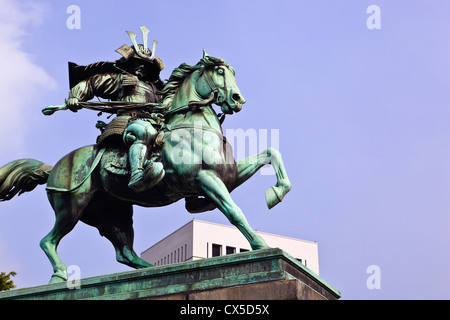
200, 239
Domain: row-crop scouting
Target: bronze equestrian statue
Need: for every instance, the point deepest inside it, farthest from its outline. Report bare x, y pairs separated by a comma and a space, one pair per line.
189, 157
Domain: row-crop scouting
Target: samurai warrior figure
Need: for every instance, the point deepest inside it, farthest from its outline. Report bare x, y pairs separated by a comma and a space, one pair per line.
134, 78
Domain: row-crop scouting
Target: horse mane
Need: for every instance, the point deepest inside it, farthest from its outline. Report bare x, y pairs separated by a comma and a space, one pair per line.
181, 73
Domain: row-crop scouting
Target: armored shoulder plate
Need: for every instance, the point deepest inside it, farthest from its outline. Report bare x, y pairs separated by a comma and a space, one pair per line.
79, 73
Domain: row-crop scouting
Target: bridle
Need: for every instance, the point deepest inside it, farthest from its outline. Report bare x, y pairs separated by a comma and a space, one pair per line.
216, 97
220, 98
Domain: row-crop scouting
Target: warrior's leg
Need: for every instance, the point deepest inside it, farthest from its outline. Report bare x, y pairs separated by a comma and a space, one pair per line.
138, 135
137, 155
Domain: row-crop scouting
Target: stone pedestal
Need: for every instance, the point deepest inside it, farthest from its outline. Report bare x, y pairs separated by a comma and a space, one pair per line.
269, 274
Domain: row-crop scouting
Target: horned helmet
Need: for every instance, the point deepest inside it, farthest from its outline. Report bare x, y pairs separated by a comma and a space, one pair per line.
141, 51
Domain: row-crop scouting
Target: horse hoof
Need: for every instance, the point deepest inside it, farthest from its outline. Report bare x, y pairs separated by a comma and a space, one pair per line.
272, 197
198, 205
57, 279
258, 243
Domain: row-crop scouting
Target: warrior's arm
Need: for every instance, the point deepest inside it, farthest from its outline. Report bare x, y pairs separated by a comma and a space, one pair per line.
107, 86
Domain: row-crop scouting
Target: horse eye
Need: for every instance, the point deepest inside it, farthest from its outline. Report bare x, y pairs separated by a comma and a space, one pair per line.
220, 71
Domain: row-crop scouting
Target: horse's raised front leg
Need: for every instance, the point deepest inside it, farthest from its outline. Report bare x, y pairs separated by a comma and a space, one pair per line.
249, 166
213, 188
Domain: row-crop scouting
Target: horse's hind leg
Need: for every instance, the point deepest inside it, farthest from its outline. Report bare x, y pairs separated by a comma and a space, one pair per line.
249, 166
114, 221
213, 188
66, 218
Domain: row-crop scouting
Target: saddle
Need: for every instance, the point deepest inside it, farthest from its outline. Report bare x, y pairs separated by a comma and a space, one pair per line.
116, 161
116, 157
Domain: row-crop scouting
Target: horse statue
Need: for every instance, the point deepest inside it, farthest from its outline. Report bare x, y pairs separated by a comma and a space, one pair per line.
202, 171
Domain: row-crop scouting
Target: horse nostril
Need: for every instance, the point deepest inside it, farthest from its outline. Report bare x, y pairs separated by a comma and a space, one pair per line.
236, 97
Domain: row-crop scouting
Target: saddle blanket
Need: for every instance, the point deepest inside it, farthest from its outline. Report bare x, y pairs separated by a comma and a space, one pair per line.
116, 161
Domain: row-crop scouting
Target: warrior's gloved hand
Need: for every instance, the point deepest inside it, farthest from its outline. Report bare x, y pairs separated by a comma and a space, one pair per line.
72, 104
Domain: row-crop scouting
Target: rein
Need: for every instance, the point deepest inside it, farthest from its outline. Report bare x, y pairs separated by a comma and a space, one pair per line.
175, 127
191, 106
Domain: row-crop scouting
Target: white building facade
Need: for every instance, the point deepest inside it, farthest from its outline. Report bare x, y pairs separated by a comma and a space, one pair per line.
200, 239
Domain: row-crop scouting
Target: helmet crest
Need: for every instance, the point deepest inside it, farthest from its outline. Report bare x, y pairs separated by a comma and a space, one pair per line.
140, 51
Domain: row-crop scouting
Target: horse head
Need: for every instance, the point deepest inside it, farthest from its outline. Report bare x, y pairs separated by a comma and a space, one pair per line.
218, 78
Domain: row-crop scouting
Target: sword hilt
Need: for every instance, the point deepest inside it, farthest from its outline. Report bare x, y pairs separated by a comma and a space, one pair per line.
48, 111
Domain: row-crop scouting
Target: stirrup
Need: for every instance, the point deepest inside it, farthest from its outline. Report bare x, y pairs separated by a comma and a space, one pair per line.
142, 180
153, 174
136, 181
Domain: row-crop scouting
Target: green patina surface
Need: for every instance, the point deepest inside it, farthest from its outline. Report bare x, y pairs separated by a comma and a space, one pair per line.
253, 267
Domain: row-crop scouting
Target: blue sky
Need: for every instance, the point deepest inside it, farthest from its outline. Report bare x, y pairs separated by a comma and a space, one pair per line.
362, 118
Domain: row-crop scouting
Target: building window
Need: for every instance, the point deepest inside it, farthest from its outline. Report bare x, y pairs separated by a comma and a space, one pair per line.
301, 261
230, 250
243, 250
216, 250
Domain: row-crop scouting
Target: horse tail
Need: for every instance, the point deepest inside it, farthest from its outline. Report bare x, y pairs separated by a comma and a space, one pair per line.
21, 176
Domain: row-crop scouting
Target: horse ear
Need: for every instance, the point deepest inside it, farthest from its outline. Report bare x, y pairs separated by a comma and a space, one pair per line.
205, 54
